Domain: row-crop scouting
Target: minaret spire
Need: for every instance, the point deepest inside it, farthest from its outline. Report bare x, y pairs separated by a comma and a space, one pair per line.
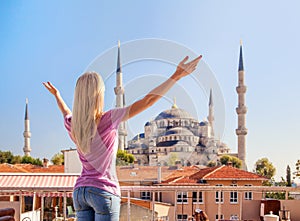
241, 63
120, 101
27, 133
119, 70
174, 103
241, 111
211, 116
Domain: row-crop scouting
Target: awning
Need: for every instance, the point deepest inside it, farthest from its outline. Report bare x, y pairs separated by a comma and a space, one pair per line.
40, 194
37, 182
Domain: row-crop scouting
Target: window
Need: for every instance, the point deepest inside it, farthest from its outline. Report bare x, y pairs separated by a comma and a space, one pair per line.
218, 218
146, 195
28, 203
197, 197
233, 195
182, 217
248, 194
182, 197
234, 217
132, 173
219, 195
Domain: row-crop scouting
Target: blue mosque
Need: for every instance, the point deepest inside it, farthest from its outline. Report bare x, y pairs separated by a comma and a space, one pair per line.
174, 136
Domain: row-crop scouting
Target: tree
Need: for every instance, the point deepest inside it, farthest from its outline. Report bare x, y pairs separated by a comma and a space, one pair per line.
58, 159
265, 168
236, 162
31, 160
37, 162
172, 159
27, 159
297, 172
288, 176
6, 157
16, 159
211, 164
124, 158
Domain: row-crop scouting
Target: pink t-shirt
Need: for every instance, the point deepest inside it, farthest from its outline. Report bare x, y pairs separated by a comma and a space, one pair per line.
99, 166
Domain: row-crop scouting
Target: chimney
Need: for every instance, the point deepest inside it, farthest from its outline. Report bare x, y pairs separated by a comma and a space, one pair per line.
229, 163
159, 173
45, 163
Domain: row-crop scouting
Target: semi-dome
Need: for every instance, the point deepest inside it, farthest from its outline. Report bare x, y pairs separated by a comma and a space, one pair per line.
174, 113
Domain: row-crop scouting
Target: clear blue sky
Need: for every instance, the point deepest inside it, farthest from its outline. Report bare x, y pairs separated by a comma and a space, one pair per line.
57, 40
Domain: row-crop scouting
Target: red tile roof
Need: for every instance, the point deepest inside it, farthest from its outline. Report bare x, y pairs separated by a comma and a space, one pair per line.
190, 175
29, 168
181, 172
229, 173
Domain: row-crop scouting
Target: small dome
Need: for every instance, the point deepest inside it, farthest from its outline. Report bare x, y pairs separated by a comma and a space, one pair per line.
147, 124
174, 113
139, 136
179, 131
203, 123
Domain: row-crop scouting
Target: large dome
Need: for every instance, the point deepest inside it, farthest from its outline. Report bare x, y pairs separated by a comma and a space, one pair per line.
174, 113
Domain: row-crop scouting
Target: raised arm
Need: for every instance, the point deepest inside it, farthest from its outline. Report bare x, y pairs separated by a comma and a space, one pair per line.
60, 102
183, 69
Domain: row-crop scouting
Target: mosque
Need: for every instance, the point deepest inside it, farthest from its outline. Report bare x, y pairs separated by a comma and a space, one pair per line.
174, 136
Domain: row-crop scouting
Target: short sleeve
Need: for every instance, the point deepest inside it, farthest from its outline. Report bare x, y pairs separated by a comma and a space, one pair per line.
67, 122
117, 116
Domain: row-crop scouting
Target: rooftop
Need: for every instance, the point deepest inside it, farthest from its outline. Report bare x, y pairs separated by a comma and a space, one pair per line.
29, 168
193, 175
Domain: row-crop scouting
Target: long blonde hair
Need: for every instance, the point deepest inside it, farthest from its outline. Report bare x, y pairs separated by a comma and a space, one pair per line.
87, 109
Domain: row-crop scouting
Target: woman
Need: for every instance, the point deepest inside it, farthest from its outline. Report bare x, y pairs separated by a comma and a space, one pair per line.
200, 215
97, 193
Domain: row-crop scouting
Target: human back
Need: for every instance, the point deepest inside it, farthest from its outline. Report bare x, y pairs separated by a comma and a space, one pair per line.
87, 109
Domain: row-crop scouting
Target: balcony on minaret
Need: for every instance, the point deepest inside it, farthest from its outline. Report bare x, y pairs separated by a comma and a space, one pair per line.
241, 89
119, 90
122, 132
241, 131
241, 109
26, 134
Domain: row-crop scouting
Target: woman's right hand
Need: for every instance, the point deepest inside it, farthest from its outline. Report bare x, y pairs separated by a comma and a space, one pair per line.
184, 69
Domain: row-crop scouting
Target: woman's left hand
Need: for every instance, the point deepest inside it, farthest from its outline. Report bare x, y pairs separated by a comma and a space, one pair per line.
50, 87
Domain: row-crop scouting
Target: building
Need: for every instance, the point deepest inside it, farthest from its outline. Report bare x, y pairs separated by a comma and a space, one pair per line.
174, 136
206, 191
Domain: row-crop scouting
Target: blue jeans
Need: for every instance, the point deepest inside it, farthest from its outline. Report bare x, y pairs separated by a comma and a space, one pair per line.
94, 204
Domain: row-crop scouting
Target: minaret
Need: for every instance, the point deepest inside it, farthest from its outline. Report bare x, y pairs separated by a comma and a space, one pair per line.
27, 133
120, 102
241, 111
210, 116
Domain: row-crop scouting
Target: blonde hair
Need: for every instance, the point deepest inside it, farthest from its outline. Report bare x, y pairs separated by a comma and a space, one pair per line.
87, 109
